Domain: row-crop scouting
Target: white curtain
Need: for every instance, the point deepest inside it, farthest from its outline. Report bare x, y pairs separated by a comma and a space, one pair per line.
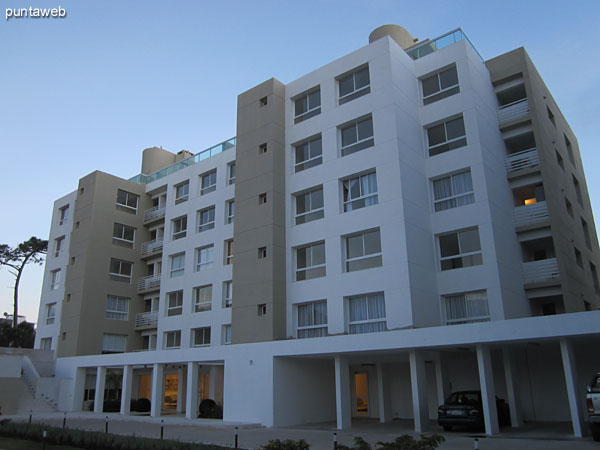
467, 307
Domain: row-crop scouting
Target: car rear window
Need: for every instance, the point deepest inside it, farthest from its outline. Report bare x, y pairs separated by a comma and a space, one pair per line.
595, 384
464, 398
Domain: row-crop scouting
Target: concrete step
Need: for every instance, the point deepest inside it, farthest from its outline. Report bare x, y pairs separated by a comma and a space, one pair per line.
16, 398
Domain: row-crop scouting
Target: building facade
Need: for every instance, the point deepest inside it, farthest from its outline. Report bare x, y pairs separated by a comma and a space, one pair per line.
405, 221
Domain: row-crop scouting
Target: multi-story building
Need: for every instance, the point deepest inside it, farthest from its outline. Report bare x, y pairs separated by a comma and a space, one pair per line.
404, 221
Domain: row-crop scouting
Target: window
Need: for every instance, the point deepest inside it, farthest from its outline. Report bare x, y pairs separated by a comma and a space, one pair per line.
63, 215
179, 227
114, 343
460, 249
226, 334
123, 235
173, 339
310, 261
127, 199
360, 191
357, 136
54, 279
262, 148
262, 309
182, 192
58, 246
446, 136
309, 206
117, 308
230, 208
569, 149
308, 154
227, 294
46, 344
201, 336
262, 252
202, 298
595, 278
228, 251
312, 320
204, 257
206, 219
569, 207
577, 190
586, 233
354, 85
50, 313
551, 117
209, 181
174, 303
262, 198
177, 265
578, 258
453, 191
439, 85
230, 173
363, 251
559, 160
307, 105
120, 270
466, 308
366, 313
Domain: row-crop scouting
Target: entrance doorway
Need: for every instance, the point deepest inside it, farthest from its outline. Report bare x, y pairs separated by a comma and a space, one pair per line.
170, 397
361, 394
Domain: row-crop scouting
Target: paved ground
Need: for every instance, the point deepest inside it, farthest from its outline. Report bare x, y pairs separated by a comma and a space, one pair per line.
319, 436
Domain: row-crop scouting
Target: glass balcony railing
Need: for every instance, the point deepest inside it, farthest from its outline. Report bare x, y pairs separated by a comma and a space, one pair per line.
430, 46
204, 154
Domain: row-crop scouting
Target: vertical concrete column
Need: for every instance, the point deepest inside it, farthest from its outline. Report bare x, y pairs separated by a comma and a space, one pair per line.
574, 394
180, 386
158, 383
126, 390
191, 398
383, 395
342, 393
418, 382
99, 397
212, 376
440, 380
511, 379
78, 389
488, 391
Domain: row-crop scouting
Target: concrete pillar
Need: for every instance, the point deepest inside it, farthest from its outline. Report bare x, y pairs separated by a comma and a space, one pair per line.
511, 387
342, 393
158, 384
180, 390
488, 391
191, 398
440, 380
99, 397
126, 390
78, 389
418, 382
573, 392
383, 392
212, 376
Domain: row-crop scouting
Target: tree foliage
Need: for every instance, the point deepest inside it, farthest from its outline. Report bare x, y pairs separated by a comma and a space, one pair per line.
23, 336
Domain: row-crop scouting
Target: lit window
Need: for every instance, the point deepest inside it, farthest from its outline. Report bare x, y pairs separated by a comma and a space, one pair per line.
209, 182
357, 136
446, 136
439, 85
363, 251
54, 279
354, 85
201, 336
114, 343
230, 208
226, 334
179, 227
360, 191
206, 219
120, 270
308, 154
366, 313
453, 191
228, 251
63, 215
466, 308
312, 319
117, 308
202, 298
127, 199
309, 206
227, 294
307, 105
174, 303
182, 192
50, 313
231, 173
310, 261
460, 249
123, 235
58, 246
177, 265
204, 257
172, 339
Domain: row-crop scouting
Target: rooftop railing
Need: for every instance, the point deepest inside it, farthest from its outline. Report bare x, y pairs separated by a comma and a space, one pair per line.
430, 46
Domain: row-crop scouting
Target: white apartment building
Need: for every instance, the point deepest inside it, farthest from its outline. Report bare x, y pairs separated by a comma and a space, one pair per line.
403, 222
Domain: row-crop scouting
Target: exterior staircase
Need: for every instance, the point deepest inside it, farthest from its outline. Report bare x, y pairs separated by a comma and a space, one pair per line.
16, 398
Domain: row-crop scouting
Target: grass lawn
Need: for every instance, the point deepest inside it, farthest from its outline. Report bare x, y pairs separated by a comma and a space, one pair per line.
21, 444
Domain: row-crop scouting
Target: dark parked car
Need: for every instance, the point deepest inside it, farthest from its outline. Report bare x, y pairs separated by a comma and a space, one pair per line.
593, 406
464, 408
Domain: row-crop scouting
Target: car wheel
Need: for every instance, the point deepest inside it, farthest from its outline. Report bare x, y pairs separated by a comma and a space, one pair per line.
447, 427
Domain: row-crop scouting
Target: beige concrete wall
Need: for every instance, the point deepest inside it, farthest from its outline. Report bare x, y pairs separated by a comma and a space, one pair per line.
259, 281
154, 159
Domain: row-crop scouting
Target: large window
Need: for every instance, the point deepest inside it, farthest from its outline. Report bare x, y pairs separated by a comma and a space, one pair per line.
117, 308
114, 343
58, 246
308, 154
209, 182
174, 303
307, 105
363, 251
202, 298
366, 313
206, 219
205, 257
172, 339
227, 294
309, 206
310, 261
354, 84
230, 211
50, 313
127, 199
177, 265
179, 227
120, 270
460, 249
466, 307
54, 279
439, 85
123, 235
228, 252
360, 191
63, 215
446, 136
452, 191
312, 319
201, 336
182, 192
357, 136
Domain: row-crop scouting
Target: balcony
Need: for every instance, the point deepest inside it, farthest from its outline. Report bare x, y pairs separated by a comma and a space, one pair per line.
530, 214
513, 111
540, 271
524, 159
146, 319
148, 284
153, 214
151, 247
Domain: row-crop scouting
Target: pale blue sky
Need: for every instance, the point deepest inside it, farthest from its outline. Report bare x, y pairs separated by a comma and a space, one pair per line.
90, 91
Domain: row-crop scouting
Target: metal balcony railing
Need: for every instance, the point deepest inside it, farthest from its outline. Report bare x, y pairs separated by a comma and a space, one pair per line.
146, 319
522, 160
525, 215
513, 110
150, 282
544, 270
156, 212
152, 247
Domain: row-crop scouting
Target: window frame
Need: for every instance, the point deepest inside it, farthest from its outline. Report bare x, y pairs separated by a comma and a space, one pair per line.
451, 144
227, 294
453, 198
226, 334
50, 318
359, 144
460, 255
208, 264
204, 190
119, 276
228, 252
365, 256
46, 343
125, 242
183, 196
346, 190
310, 112
127, 194
117, 314
300, 329
63, 216
441, 93
206, 331
311, 161
318, 213
176, 336
175, 309
58, 245
355, 92
179, 270
229, 211
312, 267
206, 226
114, 349
466, 318
231, 173
179, 227
355, 325
202, 306
54, 279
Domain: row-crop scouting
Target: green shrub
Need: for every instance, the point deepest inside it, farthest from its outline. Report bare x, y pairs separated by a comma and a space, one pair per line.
404, 442
276, 444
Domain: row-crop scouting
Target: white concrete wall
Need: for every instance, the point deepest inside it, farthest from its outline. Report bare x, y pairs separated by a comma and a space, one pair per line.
10, 366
